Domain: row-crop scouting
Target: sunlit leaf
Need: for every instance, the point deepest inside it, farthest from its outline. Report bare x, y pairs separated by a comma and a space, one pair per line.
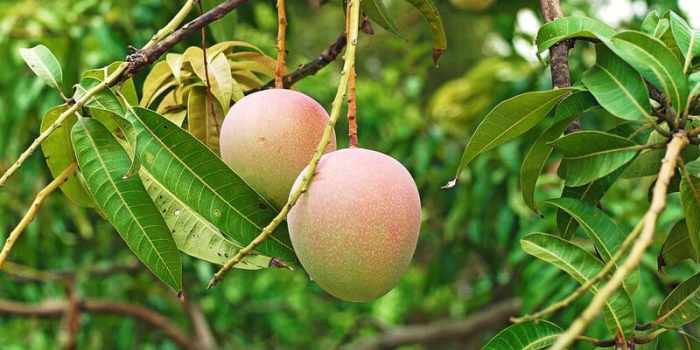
174, 61
532, 335
124, 200
582, 266
159, 75
590, 155
204, 117
508, 120
617, 86
655, 62
650, 22
572, 27
687, 38
197, 177
44, 64
58, 151
682, 306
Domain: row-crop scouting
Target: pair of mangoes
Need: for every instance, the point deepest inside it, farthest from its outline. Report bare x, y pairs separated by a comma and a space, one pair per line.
355, 229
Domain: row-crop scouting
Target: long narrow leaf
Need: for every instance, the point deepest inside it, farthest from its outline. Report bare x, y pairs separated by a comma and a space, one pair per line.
124, 200
197, 177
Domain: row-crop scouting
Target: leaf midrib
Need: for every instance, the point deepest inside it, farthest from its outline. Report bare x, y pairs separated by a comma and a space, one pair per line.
517, 123
195, 175
114, 185
678, 306
675, 88
593, 287
626, 91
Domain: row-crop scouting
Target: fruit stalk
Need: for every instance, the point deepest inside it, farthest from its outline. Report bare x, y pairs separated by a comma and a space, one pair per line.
281, 44
352, 32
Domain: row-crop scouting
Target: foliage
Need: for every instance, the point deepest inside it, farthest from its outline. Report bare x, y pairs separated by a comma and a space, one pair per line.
468, 256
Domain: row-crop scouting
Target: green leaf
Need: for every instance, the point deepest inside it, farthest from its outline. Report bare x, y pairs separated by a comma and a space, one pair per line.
105, 100
591, 193
124, 200
44, 64
572, 27
590, 155
537, 155
159, 76
687, 38
694, 85
58, 152
650, 22
204, 117
606, 235
174, 61
682, 306
127, 87
197, 177
432, 15
508, 120
531, 335
194, 235
655, 62
677, 246
582, 266
377, 12
690, 198
617, 86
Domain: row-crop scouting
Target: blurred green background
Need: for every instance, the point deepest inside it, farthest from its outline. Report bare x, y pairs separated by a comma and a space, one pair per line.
468, 257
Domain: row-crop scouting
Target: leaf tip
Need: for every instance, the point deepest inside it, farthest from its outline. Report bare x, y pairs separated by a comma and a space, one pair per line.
450, 184
437, 53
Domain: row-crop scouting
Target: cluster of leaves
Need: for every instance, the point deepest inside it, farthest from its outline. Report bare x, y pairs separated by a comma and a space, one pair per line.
646, 82
162, 188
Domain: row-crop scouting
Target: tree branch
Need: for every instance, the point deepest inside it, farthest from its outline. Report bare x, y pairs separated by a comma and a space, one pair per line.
326, 57
558, 54
494, 315
658, 203
309, 172
149, 55
163, 40
57, 308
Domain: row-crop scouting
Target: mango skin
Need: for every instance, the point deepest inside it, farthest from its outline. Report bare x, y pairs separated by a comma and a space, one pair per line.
269, 136
355, 230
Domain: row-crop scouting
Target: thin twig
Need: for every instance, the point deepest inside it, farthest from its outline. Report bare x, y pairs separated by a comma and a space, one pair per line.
658, 203
281, 44
26, 273
33, 209
354, 13
493, 315
586, 286
326, 57
56, 308
117, 76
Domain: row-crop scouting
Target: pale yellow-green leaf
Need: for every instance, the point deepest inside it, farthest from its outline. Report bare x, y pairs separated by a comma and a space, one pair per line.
159, 76
204, 117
